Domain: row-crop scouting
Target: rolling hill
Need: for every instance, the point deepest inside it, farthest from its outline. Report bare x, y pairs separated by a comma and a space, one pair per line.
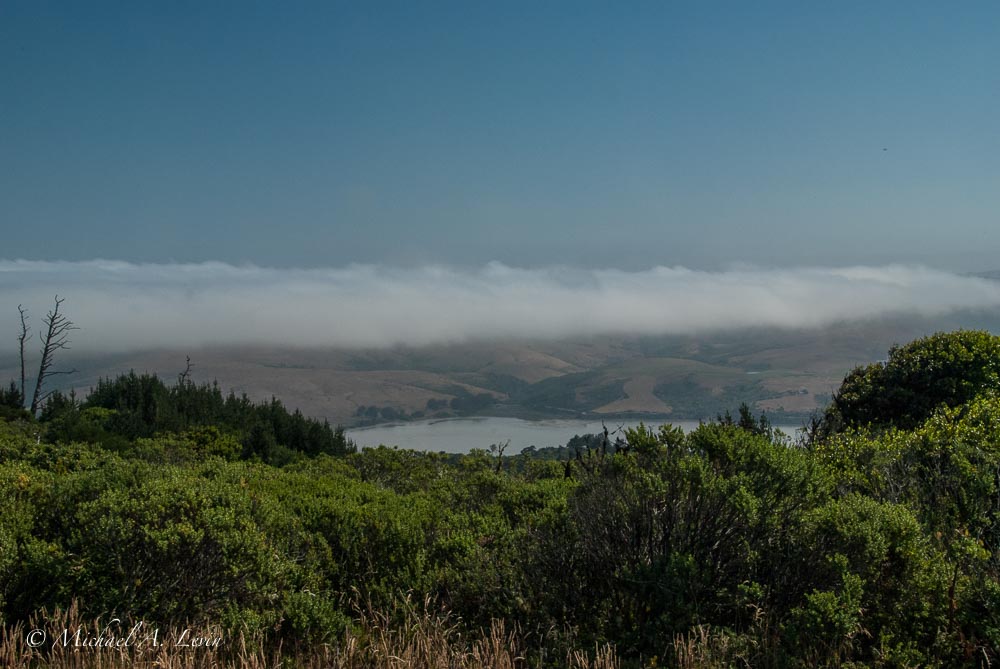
787, 373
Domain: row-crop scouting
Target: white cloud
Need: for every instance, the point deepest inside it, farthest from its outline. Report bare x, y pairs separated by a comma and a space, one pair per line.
121, 306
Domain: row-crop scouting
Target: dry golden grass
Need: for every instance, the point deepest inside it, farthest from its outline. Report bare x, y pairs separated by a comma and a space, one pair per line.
702, 649
425, 639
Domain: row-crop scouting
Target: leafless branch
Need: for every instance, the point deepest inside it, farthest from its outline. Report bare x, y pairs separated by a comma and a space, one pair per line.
20, 342
500, 448
55, 338
185, 376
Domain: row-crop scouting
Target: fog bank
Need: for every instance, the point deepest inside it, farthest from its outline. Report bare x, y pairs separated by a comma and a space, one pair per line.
121, 306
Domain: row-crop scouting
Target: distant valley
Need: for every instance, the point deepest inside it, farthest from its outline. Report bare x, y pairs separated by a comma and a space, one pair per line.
788, 374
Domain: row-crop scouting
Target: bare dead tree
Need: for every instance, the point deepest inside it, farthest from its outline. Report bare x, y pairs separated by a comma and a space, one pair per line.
20, 342
55, 338
499, 449
184, 377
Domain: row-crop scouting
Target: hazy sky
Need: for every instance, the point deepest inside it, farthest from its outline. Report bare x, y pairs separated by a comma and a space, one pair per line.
592, 134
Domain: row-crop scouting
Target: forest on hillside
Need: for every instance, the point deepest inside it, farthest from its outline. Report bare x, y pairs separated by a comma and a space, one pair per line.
873, 541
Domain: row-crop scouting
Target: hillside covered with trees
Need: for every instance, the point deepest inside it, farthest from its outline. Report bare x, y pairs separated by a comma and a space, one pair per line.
874, 541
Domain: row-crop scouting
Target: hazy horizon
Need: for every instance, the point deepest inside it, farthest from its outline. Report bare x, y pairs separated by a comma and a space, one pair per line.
122, 306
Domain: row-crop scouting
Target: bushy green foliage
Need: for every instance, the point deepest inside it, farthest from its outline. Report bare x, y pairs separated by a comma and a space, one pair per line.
133, 406
872, 580
12, 403
945, 369
877, 545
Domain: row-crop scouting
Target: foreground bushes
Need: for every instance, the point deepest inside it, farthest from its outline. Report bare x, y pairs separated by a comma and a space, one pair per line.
867, 548
726, 546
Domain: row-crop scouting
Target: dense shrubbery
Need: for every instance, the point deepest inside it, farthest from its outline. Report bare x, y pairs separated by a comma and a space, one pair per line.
944, 369
132, 407
878, 543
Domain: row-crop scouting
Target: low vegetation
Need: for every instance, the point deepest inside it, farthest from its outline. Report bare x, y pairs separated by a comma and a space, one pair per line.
875, 541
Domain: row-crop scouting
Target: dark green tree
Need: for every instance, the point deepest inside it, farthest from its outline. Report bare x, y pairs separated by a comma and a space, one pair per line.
945, 369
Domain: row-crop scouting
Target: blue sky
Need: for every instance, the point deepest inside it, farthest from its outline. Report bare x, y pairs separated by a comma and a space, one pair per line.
592, 134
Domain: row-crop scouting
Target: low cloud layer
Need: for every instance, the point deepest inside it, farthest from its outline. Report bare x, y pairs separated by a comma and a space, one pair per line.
120, 306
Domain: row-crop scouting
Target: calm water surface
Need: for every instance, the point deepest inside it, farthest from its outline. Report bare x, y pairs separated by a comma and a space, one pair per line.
460, 435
